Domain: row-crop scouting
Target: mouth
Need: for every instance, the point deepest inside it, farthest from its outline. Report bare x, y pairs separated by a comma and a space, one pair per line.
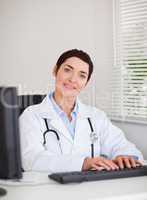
69, 87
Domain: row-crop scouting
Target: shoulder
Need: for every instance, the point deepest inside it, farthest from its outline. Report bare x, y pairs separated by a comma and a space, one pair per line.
33, 111
29, 117
37, 108
30, 110
90, 111
39, 111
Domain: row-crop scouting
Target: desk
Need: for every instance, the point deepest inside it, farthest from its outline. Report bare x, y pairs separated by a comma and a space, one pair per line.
124, 189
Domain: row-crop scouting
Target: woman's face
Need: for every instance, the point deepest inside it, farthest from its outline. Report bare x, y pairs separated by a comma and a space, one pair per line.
71, 77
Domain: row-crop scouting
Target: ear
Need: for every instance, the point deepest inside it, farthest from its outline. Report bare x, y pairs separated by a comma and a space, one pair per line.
54, 70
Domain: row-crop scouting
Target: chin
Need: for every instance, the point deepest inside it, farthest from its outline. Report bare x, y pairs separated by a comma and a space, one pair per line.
69, 93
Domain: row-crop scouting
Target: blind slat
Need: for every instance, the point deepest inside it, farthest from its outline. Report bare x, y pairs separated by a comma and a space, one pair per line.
129, 82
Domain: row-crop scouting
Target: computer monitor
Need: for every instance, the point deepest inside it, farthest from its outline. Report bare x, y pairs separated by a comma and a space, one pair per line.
10, 156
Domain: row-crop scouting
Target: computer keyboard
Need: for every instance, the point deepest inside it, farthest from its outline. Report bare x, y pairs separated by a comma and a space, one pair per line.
71, 177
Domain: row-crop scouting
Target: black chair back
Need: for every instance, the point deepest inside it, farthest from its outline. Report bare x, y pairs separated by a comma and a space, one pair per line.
27, 100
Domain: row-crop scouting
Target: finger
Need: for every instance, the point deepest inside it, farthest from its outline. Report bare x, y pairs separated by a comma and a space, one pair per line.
116, 164
111, 164
101, 163
120, 163
126, 161
133, 162
96, 167
93, 169
138, 163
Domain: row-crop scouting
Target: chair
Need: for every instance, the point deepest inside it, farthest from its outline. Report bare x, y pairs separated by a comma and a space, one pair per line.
26, 100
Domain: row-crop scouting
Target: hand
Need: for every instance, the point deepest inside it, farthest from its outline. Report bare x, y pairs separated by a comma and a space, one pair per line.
99, 163
126, 161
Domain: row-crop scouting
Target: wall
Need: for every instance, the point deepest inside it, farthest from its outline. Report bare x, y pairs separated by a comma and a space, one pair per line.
104, 53
34, 33
136, 133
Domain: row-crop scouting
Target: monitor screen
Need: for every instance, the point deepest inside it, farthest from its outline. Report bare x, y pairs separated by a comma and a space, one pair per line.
10, 156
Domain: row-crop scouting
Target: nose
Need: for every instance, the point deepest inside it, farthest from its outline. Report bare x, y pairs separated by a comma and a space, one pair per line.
73, 77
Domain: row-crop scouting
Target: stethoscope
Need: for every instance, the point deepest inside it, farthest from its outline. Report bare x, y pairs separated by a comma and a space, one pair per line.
93, 136
53, 131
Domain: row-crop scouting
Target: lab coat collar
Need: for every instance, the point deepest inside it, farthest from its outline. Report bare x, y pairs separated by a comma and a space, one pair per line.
47, 110
58, 109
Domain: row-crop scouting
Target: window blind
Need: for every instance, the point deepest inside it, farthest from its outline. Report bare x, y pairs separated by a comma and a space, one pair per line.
129, 84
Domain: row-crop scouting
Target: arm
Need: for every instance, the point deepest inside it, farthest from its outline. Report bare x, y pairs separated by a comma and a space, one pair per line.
114, 143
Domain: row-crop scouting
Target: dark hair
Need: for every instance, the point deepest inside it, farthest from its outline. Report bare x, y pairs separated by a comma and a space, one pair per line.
75, 53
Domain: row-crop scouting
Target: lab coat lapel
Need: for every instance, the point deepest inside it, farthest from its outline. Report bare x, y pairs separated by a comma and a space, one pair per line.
47, 111
82, 130
59, 125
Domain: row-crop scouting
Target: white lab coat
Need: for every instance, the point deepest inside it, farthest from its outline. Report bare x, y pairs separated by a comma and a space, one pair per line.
51, 158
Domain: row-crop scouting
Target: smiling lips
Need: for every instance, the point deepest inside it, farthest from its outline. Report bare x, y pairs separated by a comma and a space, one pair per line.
68, 86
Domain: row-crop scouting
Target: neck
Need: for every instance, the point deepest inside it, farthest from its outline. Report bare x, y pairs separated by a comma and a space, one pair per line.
65, 103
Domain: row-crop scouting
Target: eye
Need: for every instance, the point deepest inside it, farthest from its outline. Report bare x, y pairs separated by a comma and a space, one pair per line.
83, 76
66, 69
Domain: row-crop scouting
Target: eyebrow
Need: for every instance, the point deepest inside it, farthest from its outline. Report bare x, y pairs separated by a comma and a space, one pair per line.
83, 72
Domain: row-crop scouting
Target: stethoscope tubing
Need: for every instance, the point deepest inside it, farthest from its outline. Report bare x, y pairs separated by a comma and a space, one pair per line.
50, 130
58, 138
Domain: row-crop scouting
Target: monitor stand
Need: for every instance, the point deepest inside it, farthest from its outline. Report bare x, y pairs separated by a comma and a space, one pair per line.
2, 192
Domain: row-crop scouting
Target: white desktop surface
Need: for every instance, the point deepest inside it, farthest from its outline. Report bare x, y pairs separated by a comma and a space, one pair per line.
39, 187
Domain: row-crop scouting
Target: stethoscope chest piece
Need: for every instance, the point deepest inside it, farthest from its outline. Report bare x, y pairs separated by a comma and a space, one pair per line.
93, 137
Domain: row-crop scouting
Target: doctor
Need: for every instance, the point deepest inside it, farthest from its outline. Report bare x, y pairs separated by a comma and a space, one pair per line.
63, 134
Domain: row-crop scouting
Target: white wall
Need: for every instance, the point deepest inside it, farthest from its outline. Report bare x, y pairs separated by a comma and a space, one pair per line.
34, 33
104, 52
136, 133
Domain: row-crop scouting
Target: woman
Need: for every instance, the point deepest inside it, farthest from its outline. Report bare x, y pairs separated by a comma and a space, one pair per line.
62, 134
